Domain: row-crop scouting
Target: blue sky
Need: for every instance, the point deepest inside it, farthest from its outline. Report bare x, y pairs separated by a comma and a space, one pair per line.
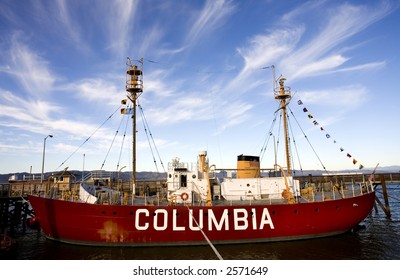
207, 85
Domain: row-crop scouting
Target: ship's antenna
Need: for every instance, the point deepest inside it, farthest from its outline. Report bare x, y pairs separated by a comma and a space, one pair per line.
273, 77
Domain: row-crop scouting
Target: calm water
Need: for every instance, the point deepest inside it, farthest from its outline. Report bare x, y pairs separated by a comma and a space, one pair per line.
378, 240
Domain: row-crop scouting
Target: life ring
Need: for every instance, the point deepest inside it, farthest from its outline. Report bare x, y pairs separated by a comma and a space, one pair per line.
184, 196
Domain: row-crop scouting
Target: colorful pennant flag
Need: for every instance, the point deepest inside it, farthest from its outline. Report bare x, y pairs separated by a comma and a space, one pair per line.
123, 101
126, 111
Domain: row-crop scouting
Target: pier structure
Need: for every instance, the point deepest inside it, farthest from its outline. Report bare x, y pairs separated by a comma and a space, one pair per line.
13, 211
379, 181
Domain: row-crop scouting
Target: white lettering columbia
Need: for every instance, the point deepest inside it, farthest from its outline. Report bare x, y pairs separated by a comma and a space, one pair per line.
241, 220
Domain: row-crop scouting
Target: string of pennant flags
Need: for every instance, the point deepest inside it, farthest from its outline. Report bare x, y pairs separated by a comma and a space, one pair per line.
327, 135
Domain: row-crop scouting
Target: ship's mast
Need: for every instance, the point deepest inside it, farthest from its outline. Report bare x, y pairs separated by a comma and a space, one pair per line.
283, 95
134, 87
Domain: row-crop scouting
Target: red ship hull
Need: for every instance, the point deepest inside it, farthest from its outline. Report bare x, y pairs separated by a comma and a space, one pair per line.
117, 225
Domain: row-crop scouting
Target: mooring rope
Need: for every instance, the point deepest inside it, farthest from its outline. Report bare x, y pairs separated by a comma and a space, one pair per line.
205, 236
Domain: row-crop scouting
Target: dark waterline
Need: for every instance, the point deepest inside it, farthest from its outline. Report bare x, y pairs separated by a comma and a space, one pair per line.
377, 239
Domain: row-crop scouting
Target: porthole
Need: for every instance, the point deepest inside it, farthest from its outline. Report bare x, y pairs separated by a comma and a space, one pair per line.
104, 212
316, 210
296, 211
194, 176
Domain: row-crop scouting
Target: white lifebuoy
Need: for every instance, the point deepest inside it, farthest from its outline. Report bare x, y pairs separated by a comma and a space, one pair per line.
184, 196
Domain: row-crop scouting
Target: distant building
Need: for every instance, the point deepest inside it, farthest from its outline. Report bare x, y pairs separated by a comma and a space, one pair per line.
63, 180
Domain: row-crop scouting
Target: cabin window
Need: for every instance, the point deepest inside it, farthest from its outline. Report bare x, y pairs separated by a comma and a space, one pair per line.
183, 180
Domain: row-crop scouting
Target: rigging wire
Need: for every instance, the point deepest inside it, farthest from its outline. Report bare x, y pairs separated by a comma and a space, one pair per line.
87, 139
148, 140
265, 145
112, 143
323, 166
122, 143
290, 146
279, 133
145, 123
295, 148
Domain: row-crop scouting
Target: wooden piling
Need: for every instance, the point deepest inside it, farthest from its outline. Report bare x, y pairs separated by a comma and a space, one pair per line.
385, 195
386, 207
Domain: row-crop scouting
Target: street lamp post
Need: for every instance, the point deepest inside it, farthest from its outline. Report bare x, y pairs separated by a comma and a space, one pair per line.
44, 151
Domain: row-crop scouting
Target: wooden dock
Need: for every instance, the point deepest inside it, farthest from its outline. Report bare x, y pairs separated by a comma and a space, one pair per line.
13, 210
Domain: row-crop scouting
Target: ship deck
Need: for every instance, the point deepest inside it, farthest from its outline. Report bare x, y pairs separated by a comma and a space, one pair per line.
307, 196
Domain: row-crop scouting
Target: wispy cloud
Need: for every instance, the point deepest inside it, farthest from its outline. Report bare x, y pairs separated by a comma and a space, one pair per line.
119, 23
212, 14
26, 114
234, 114
320, 54
95, 90
297, 56
344, 97
266, 49
29, 68
182, 109
68, 25
41, 117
